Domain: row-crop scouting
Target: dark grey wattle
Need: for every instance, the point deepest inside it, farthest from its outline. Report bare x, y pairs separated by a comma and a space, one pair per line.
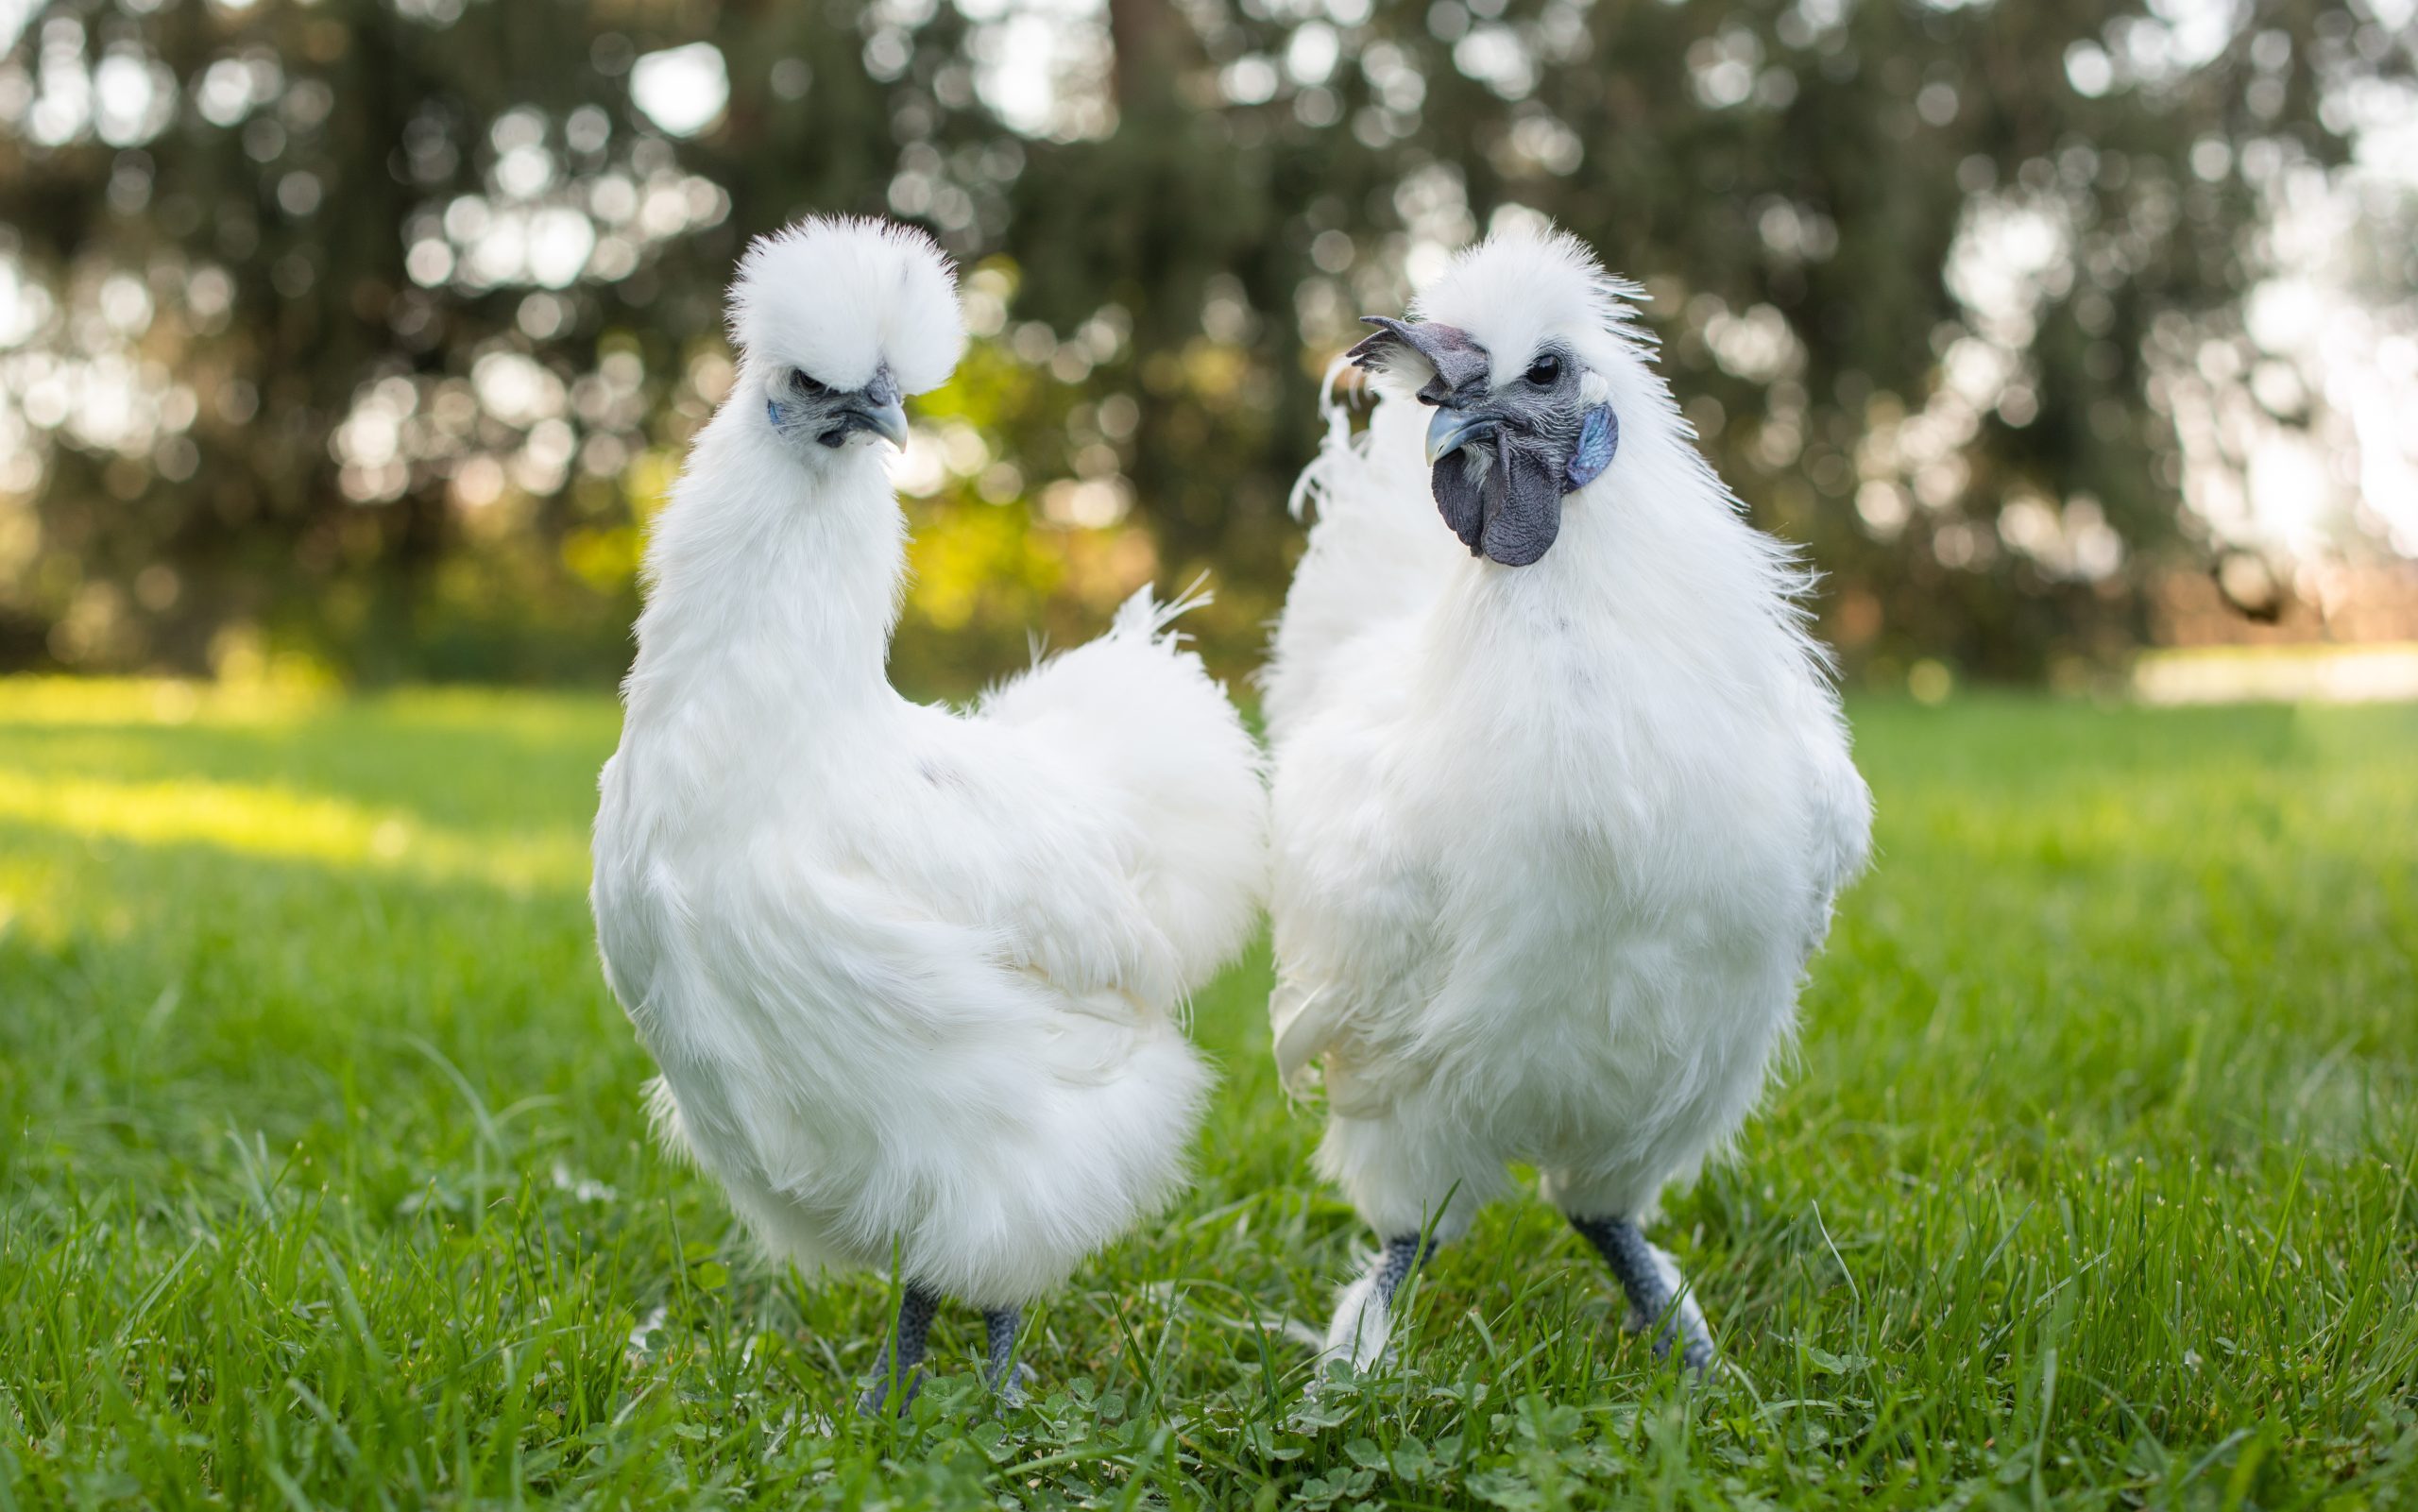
1524, 526
1513, 513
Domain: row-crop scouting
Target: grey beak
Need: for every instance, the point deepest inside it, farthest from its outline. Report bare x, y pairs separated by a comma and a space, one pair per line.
878, 407
1453, 429
887, 420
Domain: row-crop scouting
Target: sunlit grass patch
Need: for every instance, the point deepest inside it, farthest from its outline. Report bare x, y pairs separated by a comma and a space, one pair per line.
267, 821
56, 701
324, 1179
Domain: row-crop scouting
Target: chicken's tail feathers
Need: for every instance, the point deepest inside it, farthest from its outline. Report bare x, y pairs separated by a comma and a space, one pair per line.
1145, 618
1151, 735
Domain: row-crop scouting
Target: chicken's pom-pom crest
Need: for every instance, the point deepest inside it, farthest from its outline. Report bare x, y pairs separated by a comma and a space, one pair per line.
840, 297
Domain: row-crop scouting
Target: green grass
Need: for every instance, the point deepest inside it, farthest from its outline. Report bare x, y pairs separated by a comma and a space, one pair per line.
323, 1179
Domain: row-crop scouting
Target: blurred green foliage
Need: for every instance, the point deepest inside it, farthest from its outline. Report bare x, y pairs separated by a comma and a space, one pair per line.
362, 335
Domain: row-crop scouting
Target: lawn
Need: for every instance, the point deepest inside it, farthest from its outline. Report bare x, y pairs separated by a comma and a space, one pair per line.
324, 1180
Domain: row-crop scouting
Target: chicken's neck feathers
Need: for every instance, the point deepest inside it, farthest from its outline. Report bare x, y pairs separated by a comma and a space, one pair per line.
772, 585
1654, 559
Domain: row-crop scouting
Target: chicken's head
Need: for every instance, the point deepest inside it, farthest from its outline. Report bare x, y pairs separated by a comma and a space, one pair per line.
1525, 351
837, 320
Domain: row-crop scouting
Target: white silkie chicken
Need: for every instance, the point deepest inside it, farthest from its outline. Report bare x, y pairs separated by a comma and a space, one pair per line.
1560, 807
913, 977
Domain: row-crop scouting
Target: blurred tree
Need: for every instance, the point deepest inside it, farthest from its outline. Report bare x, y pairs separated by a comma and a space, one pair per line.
1913, 264
373, 331
412, 295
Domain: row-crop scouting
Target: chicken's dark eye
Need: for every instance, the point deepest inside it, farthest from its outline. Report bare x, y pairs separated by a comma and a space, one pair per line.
800, 383
1544, 370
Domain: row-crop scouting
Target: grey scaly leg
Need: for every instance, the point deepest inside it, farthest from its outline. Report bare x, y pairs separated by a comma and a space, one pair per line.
1657, 1297
915, 1312
1000, 1371
1402, 1254
1363, 1323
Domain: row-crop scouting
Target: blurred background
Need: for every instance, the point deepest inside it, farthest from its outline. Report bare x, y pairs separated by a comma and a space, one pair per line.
355, 341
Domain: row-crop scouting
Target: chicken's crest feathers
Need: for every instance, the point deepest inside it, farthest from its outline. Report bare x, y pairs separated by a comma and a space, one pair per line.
1520, 287
842, 297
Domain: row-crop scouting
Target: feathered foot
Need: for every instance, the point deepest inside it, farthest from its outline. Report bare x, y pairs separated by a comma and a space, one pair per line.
1659, 1298
1001, 1371
900, 1364
1364, 1324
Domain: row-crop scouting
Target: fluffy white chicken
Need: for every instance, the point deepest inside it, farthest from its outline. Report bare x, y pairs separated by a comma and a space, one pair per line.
1560, 806
913, 977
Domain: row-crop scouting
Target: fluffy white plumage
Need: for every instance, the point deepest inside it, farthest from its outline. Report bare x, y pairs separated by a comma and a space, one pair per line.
1552, 842
840, 297
913, 978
